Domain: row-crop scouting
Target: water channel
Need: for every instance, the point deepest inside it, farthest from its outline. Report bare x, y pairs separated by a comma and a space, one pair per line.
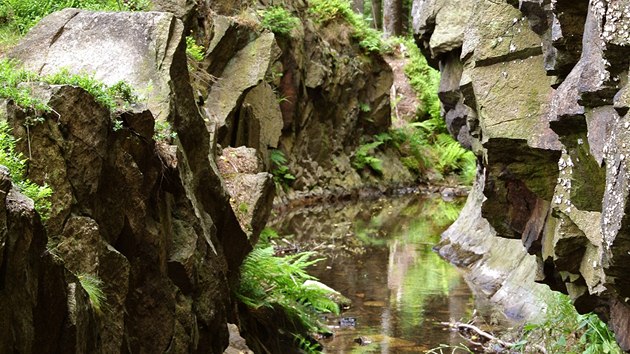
378, 253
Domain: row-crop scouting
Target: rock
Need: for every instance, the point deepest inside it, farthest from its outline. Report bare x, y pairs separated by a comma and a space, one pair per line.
238, 345
554, 149
251, 190
244, 71
153, 221
135, 47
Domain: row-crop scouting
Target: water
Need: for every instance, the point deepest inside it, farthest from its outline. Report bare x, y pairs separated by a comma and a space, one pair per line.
379, 255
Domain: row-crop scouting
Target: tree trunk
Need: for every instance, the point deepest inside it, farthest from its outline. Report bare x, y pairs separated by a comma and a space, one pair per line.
377, 14
357, 6
392, 17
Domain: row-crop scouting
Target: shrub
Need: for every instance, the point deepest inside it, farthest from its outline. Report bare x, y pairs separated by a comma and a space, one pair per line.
278, 20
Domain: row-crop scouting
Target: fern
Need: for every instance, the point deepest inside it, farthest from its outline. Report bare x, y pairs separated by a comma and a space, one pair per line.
268, 280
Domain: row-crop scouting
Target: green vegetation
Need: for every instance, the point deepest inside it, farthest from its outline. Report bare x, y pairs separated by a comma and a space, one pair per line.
194, 50
278, 20
425, 146
93, 286
111, 97
565, 331
16, 164
163, 131
269, 280
363, 157
279, 169
21, 15
424, 79
11, 76
326, 11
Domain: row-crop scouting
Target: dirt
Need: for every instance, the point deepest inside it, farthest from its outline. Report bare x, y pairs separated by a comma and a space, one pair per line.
403, 96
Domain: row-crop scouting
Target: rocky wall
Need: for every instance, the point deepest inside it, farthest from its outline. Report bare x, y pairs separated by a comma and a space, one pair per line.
149, 216
538, 89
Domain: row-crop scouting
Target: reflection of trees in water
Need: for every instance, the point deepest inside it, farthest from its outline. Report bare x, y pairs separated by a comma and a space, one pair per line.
380, 256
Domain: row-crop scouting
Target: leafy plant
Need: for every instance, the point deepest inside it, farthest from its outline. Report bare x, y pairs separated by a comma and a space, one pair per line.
563, 330
423, 79
163, 131
306, 345
194, 50
363, 157
16, 165
282, 176
93, 286
268, 280
10, 77
279, 20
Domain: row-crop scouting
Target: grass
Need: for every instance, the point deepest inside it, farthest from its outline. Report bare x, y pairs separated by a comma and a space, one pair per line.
93, 286
269, 280
11, 76
21, 15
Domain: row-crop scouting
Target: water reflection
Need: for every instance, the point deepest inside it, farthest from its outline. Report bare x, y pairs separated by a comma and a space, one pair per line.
379, 254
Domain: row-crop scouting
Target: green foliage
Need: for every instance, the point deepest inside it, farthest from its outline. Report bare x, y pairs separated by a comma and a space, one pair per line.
279, 20
11, 75
307, 346
16, 164
427, 147
423, 79
325, 11
93, 286
109, 97
565, 331
21, 15
281, 174
194, 50
163, 131
268, 280
363, 157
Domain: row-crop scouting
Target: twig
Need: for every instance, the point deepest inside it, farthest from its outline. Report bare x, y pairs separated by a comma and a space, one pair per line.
487, 335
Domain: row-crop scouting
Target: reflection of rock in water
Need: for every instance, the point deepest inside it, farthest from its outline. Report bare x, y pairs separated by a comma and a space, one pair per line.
379, 254
499, 267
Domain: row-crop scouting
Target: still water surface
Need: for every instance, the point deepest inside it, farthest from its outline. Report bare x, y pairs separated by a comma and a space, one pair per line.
379, 255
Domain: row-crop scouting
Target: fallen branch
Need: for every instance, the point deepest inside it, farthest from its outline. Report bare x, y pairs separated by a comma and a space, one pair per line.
482, 333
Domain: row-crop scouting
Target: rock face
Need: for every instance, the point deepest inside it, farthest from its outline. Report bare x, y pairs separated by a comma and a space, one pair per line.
152, 219
542, 87
163, 225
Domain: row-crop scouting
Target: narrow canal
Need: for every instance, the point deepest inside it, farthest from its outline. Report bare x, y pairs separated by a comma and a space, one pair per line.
378, 253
